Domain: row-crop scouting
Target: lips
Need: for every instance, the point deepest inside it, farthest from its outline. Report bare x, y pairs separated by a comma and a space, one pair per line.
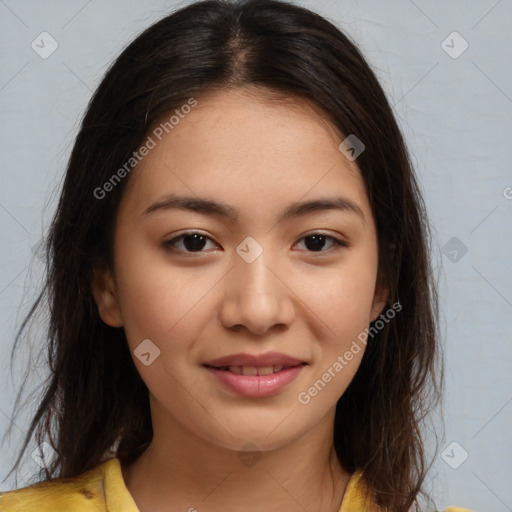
255, 376
255, 386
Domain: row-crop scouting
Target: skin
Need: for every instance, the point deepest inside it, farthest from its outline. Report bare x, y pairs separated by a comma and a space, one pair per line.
258, 156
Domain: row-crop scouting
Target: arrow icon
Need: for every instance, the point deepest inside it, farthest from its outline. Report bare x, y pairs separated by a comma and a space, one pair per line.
247, 459
452, 45
41, 45
246, 248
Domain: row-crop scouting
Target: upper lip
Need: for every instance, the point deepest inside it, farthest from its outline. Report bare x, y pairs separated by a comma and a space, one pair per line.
268, 359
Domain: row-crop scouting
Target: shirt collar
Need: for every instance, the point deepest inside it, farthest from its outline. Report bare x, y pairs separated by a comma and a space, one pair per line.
119, 499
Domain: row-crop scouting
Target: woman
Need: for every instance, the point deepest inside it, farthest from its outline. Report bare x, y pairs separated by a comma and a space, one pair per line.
242, 308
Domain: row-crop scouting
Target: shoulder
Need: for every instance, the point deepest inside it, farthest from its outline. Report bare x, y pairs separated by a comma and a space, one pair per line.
83, 493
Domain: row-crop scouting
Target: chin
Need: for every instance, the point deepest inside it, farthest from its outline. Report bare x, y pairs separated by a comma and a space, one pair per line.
259, 436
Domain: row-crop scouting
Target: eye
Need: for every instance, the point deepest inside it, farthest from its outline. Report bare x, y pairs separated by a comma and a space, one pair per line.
191, 241
316, 242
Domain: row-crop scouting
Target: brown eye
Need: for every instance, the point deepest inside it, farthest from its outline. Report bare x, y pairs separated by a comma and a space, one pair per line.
190, 242
318, 241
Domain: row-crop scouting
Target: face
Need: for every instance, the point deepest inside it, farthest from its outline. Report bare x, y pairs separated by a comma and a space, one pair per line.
244, 268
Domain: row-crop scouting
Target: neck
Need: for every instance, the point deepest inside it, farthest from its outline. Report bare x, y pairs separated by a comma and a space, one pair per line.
185, 472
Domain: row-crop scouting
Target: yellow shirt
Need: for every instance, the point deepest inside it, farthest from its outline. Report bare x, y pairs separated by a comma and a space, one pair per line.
102, 489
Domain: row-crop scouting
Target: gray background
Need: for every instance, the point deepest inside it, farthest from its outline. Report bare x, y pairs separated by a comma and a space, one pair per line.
455, 113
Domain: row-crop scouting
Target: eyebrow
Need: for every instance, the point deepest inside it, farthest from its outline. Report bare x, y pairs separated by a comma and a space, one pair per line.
217, 209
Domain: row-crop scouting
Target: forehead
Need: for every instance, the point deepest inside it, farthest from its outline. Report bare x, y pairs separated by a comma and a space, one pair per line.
247, 149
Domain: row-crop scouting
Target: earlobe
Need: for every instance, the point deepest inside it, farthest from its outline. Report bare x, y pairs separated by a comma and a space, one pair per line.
105, 295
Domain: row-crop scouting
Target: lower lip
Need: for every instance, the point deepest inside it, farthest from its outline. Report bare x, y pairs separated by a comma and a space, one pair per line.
257, 385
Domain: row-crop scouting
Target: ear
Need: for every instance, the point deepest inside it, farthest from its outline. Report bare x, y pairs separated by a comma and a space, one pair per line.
380, 299
105, 295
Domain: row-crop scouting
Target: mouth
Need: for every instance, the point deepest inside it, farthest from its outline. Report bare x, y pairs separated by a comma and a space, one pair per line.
255, 375
255, 381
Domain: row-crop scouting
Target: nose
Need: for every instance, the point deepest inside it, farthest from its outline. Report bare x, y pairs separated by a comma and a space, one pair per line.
256, 298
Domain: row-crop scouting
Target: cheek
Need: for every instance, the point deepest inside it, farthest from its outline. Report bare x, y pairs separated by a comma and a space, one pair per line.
169, 305
343, 301
167, 309
344, 306
155, 299
343, 298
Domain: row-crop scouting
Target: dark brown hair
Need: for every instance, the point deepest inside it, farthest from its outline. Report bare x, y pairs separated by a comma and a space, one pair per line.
94, 398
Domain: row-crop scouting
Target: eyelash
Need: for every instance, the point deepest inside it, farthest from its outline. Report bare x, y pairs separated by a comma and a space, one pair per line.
338, 244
